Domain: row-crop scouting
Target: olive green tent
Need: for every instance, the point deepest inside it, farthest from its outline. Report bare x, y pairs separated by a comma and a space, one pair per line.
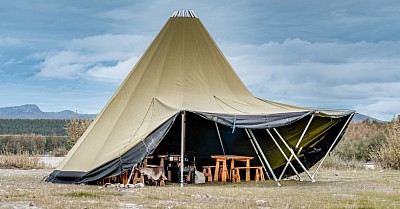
183, 96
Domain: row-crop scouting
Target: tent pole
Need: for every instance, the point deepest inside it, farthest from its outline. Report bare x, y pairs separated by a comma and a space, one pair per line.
130, 175
334, 142
284, 155
294, 155
258, 154
220, 139
183, 134
297, 146
265, 159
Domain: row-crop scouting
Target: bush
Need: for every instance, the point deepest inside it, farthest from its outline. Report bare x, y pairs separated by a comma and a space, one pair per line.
362, 139
388, 155
58, 152
21, 161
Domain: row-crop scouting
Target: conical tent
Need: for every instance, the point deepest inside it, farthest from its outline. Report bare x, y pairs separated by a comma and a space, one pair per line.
183, 71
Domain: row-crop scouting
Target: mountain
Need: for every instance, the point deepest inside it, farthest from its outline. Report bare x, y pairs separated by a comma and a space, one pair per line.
31, 111
360, 117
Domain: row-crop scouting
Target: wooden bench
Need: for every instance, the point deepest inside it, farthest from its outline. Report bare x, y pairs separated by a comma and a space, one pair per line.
259, 176
208, 173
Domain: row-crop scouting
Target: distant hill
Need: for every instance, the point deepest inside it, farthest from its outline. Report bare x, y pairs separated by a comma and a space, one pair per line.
360, 117
31, 111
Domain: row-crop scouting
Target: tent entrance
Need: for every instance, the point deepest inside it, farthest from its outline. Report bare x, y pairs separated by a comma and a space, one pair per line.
204, 138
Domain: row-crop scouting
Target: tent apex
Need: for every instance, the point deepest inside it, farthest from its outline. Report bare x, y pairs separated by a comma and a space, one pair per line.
184, 13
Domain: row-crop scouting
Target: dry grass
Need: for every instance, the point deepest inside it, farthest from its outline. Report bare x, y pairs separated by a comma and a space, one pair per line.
21, 161
333, 189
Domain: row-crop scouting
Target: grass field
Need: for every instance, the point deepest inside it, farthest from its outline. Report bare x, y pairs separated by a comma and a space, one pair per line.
333, 189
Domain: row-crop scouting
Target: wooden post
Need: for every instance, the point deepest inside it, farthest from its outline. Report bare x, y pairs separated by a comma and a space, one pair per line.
183, 133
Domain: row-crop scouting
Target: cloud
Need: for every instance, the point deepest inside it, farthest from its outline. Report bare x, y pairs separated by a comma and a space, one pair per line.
117, 72
321, 74
383, 108
106, 57
8, 41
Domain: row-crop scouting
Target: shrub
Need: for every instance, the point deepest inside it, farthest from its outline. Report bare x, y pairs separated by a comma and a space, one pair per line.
59, 152
362, 139
388, 155
21, 161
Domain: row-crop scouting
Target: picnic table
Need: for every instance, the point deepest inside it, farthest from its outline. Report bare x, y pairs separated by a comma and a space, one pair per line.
233, 158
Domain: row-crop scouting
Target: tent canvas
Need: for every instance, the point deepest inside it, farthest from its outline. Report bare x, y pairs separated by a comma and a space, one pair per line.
184, 71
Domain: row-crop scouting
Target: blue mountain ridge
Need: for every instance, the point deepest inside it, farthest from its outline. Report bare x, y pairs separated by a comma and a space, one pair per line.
32, 111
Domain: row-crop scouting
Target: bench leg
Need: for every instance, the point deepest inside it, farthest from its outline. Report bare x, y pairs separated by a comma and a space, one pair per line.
235, 175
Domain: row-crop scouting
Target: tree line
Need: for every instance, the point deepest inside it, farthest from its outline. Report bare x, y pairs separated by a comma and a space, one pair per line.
45, 127
40, 141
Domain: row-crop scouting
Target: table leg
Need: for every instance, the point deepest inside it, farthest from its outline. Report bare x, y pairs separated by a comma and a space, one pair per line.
231, 168
248, 170
224, 171
216, 171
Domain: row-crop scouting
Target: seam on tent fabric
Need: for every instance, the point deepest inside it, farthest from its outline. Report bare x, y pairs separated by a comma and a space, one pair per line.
141, 123
215, 97
273, 104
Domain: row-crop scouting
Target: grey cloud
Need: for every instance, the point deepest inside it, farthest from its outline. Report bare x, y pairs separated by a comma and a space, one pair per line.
105, 56
330, 75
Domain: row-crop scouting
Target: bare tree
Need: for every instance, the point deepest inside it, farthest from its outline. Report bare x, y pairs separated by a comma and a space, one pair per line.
75, 129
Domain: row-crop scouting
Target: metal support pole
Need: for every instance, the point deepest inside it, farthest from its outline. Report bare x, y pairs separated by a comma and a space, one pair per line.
334, 142
183, 136
130, 175
284, 155
220, 139
294, 155
258, 154
265, 159
297, 146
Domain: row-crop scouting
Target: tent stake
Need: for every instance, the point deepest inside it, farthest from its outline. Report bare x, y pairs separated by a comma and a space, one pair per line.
265, 159
284, 155
334, 142
183, 133
294, 155
297, 146
258, 154
220, 139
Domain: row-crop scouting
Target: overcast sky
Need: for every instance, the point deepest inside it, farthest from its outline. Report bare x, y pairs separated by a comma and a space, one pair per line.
330, 54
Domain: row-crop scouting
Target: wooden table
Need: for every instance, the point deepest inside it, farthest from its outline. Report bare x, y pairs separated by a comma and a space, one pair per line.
223, 158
